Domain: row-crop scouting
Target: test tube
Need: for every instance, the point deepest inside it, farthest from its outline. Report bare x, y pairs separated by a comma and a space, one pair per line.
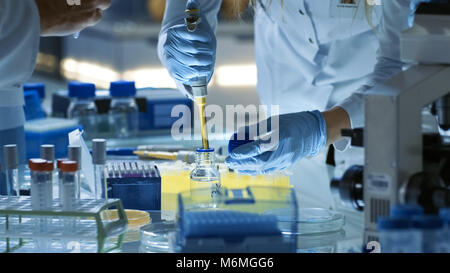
99, 161
69, 173
48, 153
75, 155
60, 177
41, 197
11, 169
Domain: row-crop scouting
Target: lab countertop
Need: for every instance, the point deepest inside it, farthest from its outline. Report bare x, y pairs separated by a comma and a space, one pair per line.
311, 180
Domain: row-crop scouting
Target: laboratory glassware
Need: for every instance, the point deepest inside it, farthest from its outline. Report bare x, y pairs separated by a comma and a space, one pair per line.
82, 106
99, 161
48, 153
205, 173
60, 177
124, 112
74, 154
11, 169
41, 196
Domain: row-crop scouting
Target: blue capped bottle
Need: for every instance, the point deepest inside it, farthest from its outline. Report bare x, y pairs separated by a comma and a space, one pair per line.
124, 112
82, 107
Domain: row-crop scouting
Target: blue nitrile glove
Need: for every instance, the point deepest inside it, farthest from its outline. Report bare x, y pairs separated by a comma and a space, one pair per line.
190, 55
300, 135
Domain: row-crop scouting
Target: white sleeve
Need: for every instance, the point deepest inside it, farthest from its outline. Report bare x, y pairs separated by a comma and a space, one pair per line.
395, 19
19, 46
175, 14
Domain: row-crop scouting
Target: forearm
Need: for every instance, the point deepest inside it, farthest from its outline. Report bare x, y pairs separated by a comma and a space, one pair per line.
336, 120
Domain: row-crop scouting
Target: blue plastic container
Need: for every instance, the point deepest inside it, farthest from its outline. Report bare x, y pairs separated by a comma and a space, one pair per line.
33, 107
48, 131
397, 236
159, 114
38, 87
406, 211
138, 194
431, 228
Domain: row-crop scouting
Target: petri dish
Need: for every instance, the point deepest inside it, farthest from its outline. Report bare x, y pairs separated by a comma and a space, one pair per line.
155, 237
309, 220
136, 219
319, 242
317, 220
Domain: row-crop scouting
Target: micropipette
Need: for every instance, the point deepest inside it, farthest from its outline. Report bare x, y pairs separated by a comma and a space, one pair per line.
199, 86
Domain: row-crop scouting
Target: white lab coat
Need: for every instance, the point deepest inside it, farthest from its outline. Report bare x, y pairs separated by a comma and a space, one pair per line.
315, 54
19, 45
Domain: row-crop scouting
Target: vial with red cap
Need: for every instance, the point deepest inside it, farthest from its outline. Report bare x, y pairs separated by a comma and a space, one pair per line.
41, 197
41, 183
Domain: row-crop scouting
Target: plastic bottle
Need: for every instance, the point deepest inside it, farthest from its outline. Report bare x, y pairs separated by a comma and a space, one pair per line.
205, 174
99, 161
397, 236
11, 169
431, 229
74, 154
124, 113
83, 107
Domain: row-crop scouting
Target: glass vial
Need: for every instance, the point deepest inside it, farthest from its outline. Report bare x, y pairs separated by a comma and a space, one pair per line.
12, 169
205, 173
124, 112
74, 154
99, 161
60, 178
82, 107
41, 197
48, 153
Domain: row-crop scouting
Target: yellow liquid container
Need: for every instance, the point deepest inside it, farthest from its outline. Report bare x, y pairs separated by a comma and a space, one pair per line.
175, 178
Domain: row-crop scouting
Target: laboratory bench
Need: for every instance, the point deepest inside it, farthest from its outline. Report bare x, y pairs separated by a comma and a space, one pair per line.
310, 178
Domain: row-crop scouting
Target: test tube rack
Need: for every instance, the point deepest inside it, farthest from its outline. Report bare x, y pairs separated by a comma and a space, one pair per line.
18, 220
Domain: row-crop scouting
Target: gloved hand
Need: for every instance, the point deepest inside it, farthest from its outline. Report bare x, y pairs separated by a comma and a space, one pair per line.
300, 135
60, 18
189, 55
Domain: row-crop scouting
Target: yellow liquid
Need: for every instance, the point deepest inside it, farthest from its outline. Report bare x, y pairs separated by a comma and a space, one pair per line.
174, 182
201, 103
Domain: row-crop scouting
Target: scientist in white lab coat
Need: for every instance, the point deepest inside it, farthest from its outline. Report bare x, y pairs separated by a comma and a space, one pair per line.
22, 22
314, 59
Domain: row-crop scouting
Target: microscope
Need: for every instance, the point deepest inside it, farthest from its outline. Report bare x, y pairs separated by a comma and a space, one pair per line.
404, 165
